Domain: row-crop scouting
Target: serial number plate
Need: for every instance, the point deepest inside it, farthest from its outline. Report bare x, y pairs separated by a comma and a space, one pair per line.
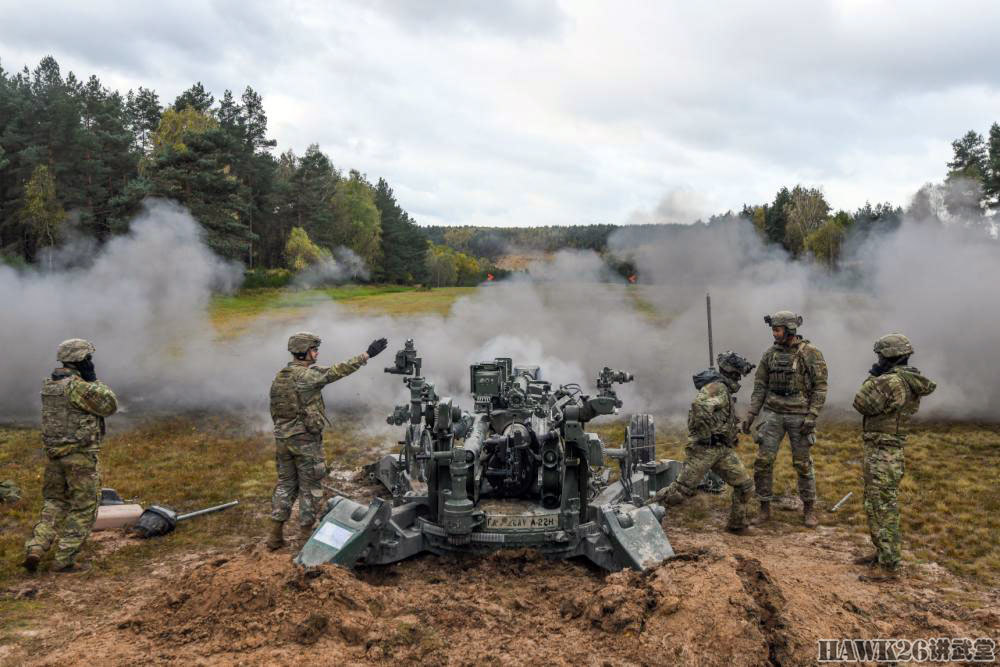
522, 521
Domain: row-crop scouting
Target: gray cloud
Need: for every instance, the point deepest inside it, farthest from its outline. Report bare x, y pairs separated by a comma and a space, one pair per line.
541, 113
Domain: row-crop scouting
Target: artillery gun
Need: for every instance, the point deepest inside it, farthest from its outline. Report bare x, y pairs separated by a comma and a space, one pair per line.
519, 471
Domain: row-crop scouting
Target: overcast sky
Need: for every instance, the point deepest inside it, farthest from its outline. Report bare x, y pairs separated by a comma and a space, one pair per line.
495, 112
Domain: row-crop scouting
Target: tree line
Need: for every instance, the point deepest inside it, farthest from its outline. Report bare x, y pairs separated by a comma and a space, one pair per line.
78, 159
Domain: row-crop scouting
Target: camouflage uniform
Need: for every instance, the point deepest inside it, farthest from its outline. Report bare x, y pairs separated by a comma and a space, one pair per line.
712, 439
790, 386
73, 412
299, 418
887, 401
9, 491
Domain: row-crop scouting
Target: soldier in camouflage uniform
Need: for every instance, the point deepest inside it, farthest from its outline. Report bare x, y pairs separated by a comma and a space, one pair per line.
887, 400
74, 405
712, 439
299, 416
790, 386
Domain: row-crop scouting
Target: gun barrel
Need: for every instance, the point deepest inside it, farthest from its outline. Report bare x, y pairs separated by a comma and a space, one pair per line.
207, 510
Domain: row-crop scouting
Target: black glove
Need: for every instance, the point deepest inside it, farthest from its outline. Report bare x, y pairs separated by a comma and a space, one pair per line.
376, 347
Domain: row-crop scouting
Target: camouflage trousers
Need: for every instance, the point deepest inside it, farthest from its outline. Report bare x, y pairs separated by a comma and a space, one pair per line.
70, 493
301, 469
771, 429
724, 462
883, 471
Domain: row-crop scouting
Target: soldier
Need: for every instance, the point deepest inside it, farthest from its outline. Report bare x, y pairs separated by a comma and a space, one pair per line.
299, 417
712, 438
74, 405
887, 400
790, 385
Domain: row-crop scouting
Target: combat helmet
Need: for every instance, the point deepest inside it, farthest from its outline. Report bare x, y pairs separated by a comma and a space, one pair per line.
302, 342
74, 350
784, 318
735, 364
893, 345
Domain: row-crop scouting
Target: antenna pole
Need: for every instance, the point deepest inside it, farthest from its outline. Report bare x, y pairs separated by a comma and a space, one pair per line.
708, 310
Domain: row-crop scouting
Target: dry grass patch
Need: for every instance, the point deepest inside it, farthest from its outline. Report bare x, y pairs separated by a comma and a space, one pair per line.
949, 498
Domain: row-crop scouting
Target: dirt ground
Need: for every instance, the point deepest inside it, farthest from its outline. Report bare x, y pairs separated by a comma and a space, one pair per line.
725, 600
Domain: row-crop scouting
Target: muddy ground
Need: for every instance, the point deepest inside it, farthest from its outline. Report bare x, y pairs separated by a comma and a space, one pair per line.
725, 600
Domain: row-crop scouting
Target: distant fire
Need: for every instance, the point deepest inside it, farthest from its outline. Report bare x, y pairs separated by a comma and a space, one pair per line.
632, 278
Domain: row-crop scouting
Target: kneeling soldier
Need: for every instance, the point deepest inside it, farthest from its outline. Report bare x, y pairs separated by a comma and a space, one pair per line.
712, 438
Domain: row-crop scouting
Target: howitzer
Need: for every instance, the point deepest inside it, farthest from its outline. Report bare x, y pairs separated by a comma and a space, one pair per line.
517, 471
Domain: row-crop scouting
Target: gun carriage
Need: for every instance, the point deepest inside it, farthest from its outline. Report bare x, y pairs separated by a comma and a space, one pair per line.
519, 471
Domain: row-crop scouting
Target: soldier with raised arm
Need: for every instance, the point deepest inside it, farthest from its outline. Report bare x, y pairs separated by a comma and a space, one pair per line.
299, 416
74, 405
789, 391
887, 400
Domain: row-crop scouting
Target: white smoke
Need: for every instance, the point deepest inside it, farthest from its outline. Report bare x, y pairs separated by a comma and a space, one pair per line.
343, 266
144, 301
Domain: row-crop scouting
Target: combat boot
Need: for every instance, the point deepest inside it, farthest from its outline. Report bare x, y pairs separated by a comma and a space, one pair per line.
809, 514
764, 515
32, 559
275, 539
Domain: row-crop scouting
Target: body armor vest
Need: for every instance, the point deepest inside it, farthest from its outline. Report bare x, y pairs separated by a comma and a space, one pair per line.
784, 368
284, 397
66, 429
292, 415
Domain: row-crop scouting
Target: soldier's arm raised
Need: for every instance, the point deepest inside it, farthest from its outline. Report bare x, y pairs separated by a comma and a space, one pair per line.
93, 397
343, 369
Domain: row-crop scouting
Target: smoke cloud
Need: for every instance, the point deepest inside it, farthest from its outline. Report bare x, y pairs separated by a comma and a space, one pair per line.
344, 265
143, 301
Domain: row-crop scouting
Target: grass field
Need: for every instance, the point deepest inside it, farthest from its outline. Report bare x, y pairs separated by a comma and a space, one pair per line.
233, 314
949, 496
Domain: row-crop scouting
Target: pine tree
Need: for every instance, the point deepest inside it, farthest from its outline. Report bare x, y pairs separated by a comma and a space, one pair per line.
195, 97
143, 112
404, 245
991, 171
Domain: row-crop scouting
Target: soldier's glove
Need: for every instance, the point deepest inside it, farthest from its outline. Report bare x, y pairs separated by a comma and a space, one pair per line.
377, 346
748, 422
808, 425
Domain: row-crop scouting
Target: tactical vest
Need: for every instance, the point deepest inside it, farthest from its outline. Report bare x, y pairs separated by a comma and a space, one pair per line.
723, 425
66, 429
783, 371
284, 397
292, 415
